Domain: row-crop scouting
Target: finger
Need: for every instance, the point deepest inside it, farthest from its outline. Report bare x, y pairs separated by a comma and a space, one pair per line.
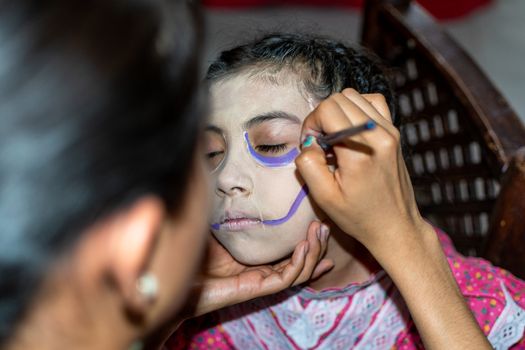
278, 281
325, 235
313, 167
351, 109
313, 228
365, 103
317, 237
339, 112
380, 104
354, 114
374, 105
360, 102
326, 118
322, 267
289, 273
386, 135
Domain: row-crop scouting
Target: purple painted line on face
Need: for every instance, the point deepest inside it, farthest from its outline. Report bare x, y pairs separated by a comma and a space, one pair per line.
271, 162
295, 205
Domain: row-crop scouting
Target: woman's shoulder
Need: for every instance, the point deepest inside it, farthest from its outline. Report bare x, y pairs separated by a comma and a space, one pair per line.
495, 296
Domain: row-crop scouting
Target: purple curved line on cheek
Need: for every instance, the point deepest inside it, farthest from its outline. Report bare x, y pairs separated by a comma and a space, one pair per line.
271, 162
295, 205
275, 162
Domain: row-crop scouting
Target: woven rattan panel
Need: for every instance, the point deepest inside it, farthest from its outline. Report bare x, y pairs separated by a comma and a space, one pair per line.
445, 155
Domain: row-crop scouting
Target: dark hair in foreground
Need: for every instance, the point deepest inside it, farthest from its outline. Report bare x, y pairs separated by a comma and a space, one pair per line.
323, 66
98, 106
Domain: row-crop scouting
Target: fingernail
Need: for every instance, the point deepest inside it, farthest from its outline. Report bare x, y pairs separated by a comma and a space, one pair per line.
309, 141
323, 267
329, 267
318, 233
325, 231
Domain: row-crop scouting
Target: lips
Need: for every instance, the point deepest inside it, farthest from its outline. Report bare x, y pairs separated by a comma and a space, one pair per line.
236, 222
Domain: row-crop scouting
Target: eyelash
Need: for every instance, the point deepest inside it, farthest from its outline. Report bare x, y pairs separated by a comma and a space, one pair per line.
261, 148
214, 154
272, 148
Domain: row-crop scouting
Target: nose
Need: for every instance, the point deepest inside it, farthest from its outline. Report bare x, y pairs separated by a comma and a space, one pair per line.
234, 181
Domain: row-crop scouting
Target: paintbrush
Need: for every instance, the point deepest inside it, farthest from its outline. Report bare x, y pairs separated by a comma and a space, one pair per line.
328, 140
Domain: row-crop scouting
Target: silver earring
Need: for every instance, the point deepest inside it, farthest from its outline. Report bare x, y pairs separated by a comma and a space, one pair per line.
148, 286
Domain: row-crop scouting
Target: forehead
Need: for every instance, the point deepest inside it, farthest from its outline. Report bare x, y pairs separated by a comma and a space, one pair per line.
240, 97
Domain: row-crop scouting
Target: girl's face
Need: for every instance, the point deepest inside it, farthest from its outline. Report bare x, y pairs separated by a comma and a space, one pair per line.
260, 211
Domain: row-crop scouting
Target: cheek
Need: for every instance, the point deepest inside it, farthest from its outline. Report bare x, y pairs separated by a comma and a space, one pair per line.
277, 193
296, 228
216, 209
275, 190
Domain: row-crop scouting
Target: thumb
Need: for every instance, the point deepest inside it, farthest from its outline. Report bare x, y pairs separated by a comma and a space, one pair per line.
313, 167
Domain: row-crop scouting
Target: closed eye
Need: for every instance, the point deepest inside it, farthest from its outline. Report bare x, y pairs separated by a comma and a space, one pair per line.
271, 148
211, 155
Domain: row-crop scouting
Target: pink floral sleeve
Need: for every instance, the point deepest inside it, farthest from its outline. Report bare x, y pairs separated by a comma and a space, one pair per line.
203, 333
495, 296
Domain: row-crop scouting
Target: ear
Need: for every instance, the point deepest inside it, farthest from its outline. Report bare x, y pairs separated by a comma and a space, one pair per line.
133, 237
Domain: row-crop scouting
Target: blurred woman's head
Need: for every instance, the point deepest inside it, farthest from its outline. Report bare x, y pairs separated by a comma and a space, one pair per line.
100, 186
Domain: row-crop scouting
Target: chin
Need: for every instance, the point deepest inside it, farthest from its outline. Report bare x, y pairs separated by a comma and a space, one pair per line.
254, 260
257, 254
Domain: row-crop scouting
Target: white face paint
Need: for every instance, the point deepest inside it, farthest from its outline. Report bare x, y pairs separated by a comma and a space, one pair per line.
248, 193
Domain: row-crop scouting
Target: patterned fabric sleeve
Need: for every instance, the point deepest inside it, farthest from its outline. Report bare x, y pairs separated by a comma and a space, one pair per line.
202, 333
495, 296
409, 339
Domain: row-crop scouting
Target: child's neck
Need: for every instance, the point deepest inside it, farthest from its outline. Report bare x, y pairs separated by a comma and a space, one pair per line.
353, 262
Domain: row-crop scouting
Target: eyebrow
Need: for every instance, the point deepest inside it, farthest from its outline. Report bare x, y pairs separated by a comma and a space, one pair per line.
261, 118
214, 129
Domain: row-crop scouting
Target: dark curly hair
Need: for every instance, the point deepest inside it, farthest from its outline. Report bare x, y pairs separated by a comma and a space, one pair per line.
324, 66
